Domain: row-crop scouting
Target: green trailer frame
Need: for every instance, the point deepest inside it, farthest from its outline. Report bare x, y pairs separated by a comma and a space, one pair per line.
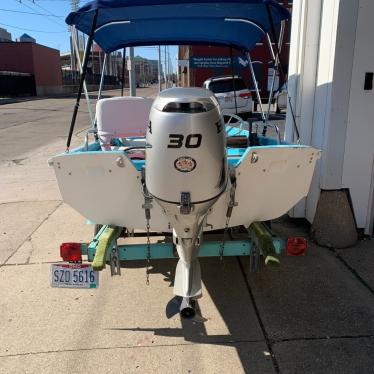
260, 240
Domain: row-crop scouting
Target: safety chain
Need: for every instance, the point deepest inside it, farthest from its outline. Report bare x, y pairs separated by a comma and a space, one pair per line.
148, 217
230, 207
222, 247
147, 206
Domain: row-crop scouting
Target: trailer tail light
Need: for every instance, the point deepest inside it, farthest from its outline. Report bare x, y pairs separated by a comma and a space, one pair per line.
296, 246
246, 95
71, 252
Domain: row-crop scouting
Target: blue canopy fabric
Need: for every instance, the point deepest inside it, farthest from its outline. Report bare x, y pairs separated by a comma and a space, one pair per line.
124, 23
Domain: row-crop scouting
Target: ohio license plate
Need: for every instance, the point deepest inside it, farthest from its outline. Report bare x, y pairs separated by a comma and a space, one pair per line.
74, 276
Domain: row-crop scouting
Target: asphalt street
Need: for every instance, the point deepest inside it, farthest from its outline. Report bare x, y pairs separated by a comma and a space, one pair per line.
312, 314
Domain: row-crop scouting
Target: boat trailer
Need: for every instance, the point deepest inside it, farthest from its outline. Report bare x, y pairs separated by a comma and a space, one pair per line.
256, 241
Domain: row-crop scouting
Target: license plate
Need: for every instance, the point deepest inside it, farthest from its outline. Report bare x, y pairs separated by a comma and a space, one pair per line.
228, 99
74, 276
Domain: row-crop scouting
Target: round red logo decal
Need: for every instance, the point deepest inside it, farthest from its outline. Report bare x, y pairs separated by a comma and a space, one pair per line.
185, 164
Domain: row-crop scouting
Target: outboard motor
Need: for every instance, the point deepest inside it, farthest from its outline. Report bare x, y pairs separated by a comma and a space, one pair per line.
186, 171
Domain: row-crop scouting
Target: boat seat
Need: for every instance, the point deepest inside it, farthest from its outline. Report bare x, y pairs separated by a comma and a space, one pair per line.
121, 117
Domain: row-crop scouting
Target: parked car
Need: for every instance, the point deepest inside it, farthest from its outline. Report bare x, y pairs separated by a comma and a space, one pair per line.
280, 99
223, 89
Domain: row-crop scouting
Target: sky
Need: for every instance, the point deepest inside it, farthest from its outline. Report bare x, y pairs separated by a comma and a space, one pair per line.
44, 20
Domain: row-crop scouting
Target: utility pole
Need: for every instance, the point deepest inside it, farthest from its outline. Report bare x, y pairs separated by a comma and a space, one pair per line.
170, 69
92, 59
107, 64
100, 64
177, 66
165, 72
74, 4
71, 53
159, 70
123, 70
131, 69
141, 73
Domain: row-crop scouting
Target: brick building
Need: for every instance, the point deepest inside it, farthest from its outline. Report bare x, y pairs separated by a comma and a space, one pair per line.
40, 62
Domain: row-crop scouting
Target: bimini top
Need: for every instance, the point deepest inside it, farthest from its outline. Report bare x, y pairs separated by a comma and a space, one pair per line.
124, 23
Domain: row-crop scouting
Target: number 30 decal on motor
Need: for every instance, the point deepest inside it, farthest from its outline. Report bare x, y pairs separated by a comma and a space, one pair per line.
192, 141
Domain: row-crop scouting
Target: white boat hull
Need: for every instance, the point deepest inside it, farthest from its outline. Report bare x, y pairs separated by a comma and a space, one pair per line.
105, 187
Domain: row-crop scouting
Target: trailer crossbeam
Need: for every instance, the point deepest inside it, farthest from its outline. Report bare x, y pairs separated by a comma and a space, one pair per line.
165, 250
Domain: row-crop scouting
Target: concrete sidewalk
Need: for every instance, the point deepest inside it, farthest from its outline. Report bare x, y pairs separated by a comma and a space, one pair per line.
313, 314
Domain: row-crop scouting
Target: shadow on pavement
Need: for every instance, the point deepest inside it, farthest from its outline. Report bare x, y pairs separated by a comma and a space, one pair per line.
224, 284
306, 309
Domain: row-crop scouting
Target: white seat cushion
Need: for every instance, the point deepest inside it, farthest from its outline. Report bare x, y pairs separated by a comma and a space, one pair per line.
122, 117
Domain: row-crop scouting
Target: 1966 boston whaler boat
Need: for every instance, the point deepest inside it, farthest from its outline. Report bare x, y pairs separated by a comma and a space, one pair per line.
172, 166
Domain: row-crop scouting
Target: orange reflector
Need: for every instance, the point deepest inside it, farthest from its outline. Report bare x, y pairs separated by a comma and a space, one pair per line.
71, 252
296, 246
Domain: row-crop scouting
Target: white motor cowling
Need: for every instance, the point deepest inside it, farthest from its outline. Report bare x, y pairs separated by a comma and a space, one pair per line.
186, 172
187, 146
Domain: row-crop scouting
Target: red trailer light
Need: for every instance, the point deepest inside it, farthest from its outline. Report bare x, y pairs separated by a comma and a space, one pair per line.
296, 246
71, 252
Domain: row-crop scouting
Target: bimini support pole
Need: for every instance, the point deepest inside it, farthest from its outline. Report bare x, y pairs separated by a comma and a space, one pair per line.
275, 69
93, 129
75, 44
102, 80
272, 27
256, 87
83, 77
233, 80
263, 116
